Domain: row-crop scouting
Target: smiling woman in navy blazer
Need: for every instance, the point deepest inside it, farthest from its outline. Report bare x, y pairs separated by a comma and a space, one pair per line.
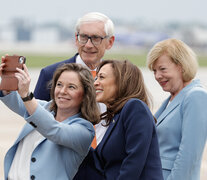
182, 118
129, 148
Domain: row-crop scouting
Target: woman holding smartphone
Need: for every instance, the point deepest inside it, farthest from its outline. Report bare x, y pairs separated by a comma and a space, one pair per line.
58, 134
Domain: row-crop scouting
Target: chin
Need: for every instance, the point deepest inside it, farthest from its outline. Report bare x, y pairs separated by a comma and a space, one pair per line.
166, 90
99, 101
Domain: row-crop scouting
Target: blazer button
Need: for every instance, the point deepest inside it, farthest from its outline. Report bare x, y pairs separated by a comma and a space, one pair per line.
33, 124
32, 177
33, 159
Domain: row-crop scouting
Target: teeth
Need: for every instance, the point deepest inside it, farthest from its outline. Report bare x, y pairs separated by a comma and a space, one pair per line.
99, 91
62, 98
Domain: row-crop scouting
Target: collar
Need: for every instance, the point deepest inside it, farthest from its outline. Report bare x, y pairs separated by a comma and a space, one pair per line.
80, 61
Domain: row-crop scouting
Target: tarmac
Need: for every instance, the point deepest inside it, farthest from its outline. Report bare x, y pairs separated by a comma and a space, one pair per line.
11, 124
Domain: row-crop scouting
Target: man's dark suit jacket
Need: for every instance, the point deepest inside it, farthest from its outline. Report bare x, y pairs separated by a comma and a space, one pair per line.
42, 90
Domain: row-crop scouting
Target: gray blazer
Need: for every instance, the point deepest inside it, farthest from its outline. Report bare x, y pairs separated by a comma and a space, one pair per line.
182, 132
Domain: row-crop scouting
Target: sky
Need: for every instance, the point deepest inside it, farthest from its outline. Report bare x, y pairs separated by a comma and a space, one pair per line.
128, 10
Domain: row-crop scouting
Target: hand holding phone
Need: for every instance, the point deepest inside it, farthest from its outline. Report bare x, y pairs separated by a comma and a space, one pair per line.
8, 81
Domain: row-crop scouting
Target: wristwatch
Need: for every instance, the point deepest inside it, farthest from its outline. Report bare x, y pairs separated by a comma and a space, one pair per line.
29, 97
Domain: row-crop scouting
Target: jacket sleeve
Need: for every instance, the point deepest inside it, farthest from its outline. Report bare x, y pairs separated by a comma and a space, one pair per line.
194, 133
77, 134
42, 90
138, 123
13, 102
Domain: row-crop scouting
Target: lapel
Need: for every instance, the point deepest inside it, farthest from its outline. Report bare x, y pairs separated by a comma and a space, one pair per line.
107, 134
164, 110
26, 130
98, 151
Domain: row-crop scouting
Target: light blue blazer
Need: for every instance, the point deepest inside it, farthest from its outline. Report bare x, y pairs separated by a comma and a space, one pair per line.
182, 132
65, 145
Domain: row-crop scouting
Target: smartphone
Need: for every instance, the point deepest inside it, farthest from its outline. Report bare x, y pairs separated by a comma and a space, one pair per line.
8, 81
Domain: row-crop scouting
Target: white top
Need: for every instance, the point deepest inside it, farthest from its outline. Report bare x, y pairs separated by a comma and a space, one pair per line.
20, 168
100, 130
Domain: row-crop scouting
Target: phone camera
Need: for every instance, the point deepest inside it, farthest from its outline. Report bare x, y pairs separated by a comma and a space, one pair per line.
21, 60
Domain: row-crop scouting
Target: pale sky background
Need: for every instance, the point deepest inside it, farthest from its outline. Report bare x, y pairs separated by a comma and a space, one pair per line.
66, 11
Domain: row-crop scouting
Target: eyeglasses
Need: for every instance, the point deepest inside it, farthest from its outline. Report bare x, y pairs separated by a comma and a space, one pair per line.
96, 40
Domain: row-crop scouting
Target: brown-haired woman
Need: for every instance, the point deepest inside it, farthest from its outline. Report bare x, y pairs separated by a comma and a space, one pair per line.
58, 134
129, 148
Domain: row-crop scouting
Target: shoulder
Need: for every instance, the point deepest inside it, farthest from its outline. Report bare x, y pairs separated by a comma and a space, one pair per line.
82, 123
53, 67
83, 129
135, 114
195, 99
134, 102
196, 93
136, 107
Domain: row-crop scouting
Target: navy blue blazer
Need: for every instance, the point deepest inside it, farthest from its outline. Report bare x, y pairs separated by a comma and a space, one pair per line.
42, 90
129, 149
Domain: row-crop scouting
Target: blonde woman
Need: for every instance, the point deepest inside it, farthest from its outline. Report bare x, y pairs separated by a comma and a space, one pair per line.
182, 118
